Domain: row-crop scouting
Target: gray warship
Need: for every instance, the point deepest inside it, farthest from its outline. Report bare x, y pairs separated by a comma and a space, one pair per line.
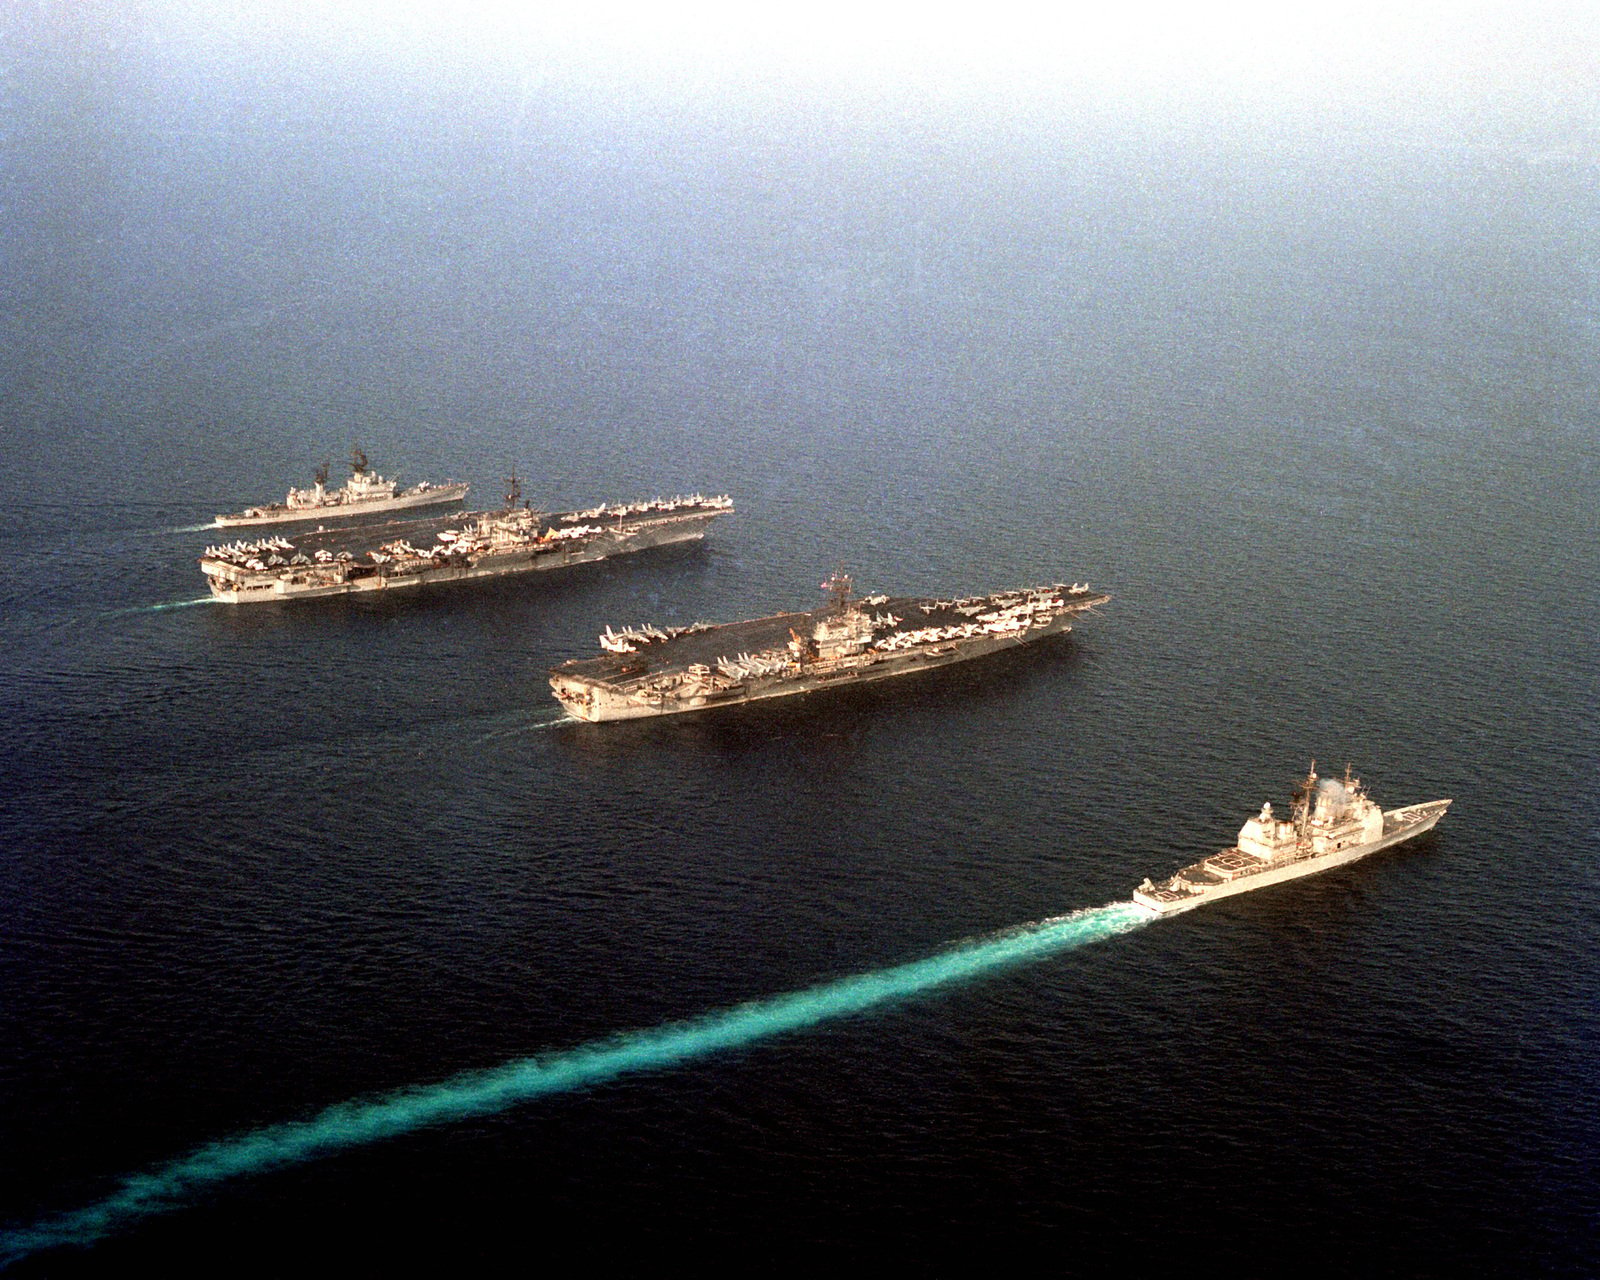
1330, 823
651, 671
365, 494
413, 554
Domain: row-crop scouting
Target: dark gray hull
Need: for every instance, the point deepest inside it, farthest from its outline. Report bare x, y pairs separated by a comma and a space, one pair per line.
362, 509
664, 680
235, 584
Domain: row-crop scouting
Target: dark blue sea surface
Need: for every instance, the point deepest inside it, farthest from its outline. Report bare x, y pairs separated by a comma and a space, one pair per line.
1317, 408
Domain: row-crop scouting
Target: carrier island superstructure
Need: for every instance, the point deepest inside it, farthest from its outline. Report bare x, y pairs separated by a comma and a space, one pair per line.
365, 494
1330, 823
411, 554
653, 671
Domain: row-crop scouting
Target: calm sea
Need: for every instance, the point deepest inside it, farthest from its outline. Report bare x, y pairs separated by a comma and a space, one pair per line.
1317, 408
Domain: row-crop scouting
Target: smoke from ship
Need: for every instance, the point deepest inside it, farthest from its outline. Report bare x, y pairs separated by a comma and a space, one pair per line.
1333, 799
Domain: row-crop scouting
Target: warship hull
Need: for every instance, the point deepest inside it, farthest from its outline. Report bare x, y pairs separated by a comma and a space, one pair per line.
692, 671
1205, 882
412, 500
602, 703
382, 557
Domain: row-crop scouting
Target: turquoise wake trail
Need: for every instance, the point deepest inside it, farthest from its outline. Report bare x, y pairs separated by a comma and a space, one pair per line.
480, 1093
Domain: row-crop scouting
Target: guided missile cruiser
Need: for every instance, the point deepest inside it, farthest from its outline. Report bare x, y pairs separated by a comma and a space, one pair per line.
366, 493
656, 671
1330, 823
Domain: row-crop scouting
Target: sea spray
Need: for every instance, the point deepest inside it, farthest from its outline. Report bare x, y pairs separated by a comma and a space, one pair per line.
552, 721
479, 1093
160, 608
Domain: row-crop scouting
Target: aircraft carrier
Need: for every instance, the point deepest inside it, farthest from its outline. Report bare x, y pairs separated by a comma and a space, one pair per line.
1330, 823
651, 671
411, 554
366, 494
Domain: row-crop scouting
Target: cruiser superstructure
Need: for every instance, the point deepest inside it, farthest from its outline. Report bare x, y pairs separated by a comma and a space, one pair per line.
366, 493
1330, 823
406, 554
653, 671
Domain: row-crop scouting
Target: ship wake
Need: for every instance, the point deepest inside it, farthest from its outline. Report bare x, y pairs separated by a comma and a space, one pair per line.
529, 726
356, 1123
160, 608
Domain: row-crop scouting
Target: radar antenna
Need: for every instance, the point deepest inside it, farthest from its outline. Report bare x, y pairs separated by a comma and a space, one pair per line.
1300, 808
839, 586
358, 462
322, 473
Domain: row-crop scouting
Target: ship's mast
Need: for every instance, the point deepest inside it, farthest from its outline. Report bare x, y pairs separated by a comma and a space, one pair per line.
322, 473
358, 462
1300, 808
513, 490
838, 587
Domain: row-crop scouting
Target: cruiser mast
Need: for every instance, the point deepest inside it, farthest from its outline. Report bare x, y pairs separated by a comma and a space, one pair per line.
1300, 808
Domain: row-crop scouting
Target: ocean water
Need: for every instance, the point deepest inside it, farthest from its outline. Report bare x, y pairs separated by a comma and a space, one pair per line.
321, 921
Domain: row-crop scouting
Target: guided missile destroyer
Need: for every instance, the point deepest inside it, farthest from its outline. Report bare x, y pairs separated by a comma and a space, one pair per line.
1330, 823
407, 554
651, 671
366, 494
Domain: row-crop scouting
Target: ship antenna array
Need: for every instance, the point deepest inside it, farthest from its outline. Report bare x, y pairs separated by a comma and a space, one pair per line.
1300, 807
513, 489
322, 473
358, 461
838, 587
